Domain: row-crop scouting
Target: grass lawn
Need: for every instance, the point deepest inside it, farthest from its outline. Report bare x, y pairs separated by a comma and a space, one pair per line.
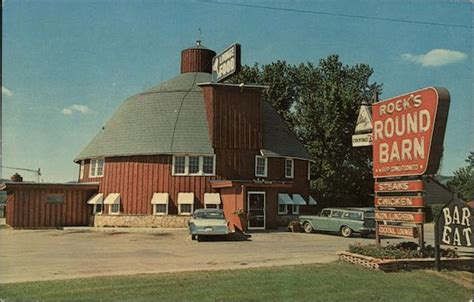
336, 281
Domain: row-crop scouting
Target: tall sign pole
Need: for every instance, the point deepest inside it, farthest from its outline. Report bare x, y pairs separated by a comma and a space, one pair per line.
407, 137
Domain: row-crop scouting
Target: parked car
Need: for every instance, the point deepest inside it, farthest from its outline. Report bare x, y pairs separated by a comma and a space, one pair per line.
208, 222
345, 221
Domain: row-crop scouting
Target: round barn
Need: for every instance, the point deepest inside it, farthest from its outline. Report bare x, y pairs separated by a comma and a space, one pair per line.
191, 143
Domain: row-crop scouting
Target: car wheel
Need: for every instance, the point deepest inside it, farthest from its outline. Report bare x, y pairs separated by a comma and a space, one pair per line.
308, 228
346, 231
199, 238
193, 237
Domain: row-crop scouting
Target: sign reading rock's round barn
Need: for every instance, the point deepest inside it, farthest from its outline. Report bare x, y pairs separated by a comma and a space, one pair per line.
408, 133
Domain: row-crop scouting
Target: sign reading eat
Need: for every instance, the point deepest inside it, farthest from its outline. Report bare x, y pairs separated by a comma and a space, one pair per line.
408, 133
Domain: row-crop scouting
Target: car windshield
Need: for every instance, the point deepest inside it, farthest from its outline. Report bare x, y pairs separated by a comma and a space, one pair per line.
209, 215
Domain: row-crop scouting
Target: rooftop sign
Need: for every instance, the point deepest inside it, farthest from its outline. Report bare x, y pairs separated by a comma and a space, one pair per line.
408, 133
226, 63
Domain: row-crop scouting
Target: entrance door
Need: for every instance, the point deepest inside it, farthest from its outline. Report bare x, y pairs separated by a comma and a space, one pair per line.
256, 210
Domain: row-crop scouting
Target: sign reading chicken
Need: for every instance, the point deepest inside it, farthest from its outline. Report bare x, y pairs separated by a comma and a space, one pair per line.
408, 133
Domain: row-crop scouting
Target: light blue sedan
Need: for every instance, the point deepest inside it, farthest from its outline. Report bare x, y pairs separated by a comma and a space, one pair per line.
208, 222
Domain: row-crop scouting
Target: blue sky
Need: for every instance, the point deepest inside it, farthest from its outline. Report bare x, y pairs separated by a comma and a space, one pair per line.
68, 65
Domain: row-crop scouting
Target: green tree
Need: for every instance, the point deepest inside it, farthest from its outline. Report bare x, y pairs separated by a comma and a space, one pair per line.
320, 104
463, 182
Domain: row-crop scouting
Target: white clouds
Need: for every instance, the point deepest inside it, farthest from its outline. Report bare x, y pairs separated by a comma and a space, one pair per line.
76, 108
435, 57
6, 91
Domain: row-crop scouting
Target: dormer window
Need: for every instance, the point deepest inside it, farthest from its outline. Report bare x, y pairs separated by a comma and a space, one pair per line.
261, 166
96, 168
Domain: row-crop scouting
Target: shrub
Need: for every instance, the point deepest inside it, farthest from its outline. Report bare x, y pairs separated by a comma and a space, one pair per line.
404, 250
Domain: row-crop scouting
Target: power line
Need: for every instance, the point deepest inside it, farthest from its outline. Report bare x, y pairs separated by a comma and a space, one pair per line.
313, 12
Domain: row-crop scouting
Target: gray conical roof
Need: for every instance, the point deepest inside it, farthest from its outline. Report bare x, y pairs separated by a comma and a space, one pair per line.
169, 118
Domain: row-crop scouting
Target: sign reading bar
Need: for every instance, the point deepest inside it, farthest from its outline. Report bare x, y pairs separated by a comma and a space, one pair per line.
408, 133
399, 201
455, 225
226, 63
413, 217
361, 140
398, 231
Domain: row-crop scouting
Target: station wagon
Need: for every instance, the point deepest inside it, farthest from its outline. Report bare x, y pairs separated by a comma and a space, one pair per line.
345, 221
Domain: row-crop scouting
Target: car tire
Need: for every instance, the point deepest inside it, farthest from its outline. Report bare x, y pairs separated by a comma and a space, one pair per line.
193, 237
308, 228
199, 238
346, 231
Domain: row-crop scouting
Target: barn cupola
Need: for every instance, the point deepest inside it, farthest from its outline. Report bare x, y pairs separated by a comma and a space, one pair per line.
197, 59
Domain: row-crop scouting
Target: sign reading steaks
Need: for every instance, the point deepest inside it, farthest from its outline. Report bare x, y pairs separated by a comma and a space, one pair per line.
399, 186
408, 133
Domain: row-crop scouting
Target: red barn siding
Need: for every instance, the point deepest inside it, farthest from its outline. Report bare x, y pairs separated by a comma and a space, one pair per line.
136, 178
234, 117
27, 207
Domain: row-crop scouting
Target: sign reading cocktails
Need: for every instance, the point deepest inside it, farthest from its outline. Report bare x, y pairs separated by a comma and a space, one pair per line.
408, 133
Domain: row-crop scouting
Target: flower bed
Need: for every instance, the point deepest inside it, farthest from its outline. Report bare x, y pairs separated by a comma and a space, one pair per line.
403, 256
404, 250
393, 265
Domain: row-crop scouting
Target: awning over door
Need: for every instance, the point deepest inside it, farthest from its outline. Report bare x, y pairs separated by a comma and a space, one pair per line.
284, 198
212, 198
185, 198
312, 201
298, 200
96, 199
160, 198
112, 198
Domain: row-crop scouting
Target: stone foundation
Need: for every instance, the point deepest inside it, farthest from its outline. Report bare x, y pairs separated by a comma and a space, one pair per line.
141, 221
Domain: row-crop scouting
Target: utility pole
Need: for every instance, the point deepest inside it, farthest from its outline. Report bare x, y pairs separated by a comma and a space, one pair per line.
37, 172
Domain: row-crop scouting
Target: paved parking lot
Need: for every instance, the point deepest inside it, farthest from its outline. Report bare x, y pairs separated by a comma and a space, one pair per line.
29, 255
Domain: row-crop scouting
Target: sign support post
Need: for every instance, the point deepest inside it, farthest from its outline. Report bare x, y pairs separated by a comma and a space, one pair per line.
437, 246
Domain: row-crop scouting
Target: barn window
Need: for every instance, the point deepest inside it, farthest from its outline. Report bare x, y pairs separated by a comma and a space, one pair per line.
283, 201
55, 198
289, 168
295, 209
97, 208
261, 166
81, 170
208, 165
96, 202
212, 200
97, 167
193, 165
179, 165
282, 209
115, 208
113, 200
160, 203
185, 203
